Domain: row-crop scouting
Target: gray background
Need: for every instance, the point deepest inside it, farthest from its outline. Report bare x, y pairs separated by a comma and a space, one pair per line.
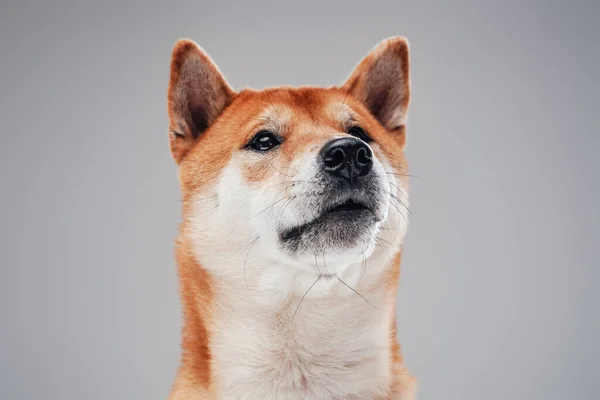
499, 296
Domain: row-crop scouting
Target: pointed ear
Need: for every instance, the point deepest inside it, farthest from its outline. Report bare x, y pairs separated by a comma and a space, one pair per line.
197, 95
382, 82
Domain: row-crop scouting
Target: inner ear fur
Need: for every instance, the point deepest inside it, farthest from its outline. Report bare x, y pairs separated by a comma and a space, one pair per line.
382, 82
197, 95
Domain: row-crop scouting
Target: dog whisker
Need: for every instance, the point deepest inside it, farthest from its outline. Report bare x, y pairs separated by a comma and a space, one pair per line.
278, 201
377, 241
346, 96
246, 259
397, 199
325, 265
205, 198
398, 188
291, 176
379, 245
392, 202
280, 215
302, 299
364, 267
295, 181
384, 241
317, 265
208, 210
360, 295
216, 196
408, 175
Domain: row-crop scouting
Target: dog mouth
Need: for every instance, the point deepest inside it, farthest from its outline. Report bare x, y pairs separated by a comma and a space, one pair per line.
342, 221
349, 205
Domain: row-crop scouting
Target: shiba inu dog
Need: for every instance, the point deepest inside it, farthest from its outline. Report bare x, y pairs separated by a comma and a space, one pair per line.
295, 209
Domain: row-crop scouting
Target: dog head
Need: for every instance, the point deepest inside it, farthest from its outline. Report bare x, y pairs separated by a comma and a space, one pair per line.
302, 173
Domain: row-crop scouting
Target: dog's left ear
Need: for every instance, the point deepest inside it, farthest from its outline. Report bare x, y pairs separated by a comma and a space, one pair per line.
382, 82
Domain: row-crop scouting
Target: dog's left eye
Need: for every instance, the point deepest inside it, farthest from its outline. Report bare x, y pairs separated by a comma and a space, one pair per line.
264, 141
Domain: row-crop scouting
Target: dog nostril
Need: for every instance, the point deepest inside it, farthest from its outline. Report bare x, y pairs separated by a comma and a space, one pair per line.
362, 157
346, 158
335, 158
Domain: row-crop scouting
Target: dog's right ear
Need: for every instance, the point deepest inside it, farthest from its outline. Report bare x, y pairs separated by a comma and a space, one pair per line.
197, 95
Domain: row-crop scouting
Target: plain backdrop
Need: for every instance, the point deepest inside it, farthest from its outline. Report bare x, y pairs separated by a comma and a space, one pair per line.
499, 290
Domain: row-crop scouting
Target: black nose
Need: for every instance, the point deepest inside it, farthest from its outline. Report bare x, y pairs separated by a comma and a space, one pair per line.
347, 158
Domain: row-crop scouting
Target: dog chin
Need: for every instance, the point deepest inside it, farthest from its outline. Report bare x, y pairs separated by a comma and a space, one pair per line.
347, 233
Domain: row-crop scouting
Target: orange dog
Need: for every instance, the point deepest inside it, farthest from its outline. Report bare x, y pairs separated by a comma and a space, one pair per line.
294, 213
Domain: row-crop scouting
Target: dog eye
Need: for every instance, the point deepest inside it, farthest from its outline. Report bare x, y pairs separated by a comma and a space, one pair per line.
264, 141
360, 133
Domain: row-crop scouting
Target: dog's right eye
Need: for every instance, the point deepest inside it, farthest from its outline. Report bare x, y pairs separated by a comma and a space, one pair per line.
264, 141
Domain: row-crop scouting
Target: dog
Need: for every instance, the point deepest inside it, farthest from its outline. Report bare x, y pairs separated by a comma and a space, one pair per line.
295, 208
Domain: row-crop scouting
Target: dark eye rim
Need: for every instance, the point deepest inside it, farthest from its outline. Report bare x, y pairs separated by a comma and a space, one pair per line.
358, 132
263, 132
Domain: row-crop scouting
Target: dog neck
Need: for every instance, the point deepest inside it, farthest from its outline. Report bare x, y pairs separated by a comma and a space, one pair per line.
270, 332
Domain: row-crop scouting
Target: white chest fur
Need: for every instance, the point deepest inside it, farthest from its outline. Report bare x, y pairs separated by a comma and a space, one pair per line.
337, 348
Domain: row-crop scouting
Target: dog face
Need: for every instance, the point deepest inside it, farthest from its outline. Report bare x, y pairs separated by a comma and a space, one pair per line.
303, 173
